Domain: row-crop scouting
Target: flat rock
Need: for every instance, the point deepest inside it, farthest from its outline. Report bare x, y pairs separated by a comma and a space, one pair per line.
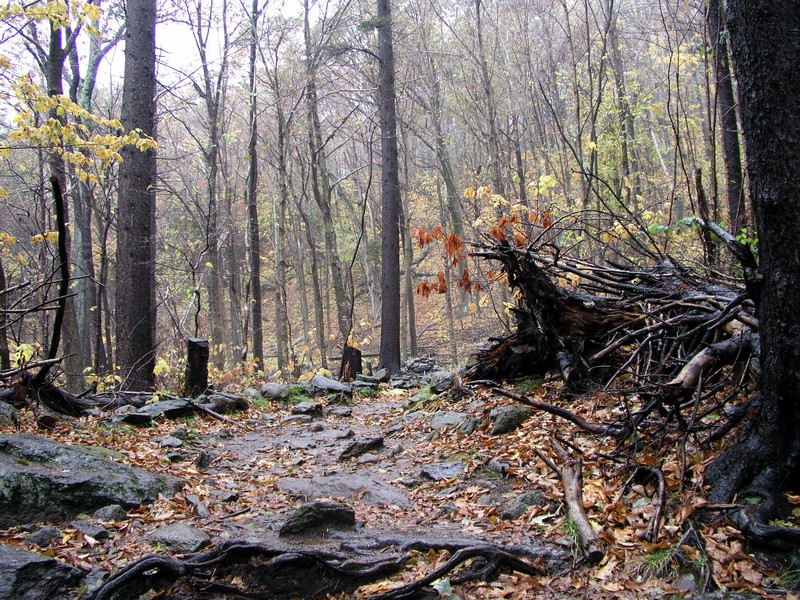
347, 485
297, 419
340, 411
169, 409
30, 576
445, 419
42, 480
315, 515
180, 538
443, 470
130, 418
93, 530
359, 447
329, 386
170, 442
307, 408
275, 391
509, 418
225, 403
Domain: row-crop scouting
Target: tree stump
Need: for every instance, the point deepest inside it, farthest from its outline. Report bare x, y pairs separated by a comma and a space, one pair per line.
196, 367
351, 364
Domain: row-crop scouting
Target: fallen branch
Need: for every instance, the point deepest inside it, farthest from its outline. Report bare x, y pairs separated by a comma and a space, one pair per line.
571, 473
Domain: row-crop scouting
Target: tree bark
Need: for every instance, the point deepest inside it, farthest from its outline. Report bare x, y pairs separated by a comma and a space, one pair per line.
390, 196
135, 309
766, 53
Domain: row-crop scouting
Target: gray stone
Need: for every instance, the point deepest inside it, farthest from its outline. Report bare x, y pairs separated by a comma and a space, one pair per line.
297, 419
509, 418
44, 537
175, 457
359, 447
441, 382
519, 505
275, 391
382, 375
225, 403
307, 408
125, 409
443, 470
470, 425
169, 409
42, 480
422, 365
405, 381
363, 386
315, 515
112, 512
330, 386
170, 442
93, 530
182, 433
444, 419
30, 576
204, 459
179, 538
132, 418
685, 583
348, 485
252, 394
8, 414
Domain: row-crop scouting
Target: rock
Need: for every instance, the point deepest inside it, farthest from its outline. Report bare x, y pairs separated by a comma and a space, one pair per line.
359, 447
42, 480
8, 414
441, 382
170, 442
443, 470
175, 457
685, 583
199, 508
368, 459
498, 467
125, 409
179, 538
519, 505
133, 418
169, 409
340, 411
204, 459
330, 386
252, 394
382, 375
112, 512
275, 391
226, 403
363, 386
470, 425
347, 485
307, 408
319, 514
297, 419
302, 388
224, 495
30, 576
422, 365
508, 418
445, 419
44, 536
182, 433
93, 530
405, 381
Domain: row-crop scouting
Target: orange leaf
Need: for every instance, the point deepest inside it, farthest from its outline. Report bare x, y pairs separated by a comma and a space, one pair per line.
442, 283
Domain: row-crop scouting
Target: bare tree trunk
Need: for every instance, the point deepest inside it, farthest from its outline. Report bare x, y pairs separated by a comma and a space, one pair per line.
390, 196
135, 309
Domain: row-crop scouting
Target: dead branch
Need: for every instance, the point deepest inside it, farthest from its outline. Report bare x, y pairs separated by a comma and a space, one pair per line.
571, 472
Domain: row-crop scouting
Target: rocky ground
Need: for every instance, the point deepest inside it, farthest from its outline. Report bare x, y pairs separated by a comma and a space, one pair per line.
413, 465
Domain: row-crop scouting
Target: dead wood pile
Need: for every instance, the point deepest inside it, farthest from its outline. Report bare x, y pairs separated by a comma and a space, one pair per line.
664, 327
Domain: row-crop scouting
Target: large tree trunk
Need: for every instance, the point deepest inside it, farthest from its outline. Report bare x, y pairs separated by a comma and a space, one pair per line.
766, 54
135, 309
390, 196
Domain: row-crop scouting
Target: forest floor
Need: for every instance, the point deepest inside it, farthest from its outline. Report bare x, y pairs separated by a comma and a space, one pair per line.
242, 493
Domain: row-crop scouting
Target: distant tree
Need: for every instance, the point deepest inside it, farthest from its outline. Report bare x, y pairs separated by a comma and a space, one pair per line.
766, 460
390, 196
135, 307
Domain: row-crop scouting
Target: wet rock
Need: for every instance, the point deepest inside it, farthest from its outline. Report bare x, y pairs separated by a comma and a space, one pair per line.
275, 391
8, 414
519, 505
326, 385
441, 382
348, 485
30, 576
93, 530
112, 512
297, 419
359, 447
315, 515
509, 418
443, 470
44, 536
179, 538
445, 419
43, 480
169, 409
340, 411
307, 408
